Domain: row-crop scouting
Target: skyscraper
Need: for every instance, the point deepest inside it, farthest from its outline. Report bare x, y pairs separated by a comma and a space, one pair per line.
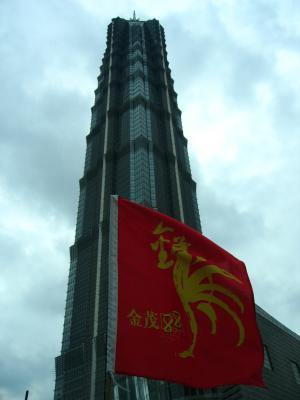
135, 148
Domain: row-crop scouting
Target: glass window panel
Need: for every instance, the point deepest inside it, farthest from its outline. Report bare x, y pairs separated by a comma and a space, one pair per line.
296, 371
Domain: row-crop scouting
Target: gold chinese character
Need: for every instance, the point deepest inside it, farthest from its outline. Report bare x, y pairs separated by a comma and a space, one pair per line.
151, 320
177, 320
159, 244
166, 322
134, 318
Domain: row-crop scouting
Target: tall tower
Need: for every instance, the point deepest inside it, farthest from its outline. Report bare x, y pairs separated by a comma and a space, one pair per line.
135, 148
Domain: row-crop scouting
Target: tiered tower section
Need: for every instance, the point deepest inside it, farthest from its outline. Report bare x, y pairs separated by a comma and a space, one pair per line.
135, 148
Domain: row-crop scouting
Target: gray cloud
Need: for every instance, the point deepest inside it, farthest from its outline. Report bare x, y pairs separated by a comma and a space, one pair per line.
228, 64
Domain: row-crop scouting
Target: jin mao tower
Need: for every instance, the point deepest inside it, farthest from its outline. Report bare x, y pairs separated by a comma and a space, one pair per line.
135, 148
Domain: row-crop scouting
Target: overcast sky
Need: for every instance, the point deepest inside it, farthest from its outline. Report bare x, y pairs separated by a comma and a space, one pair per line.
236, 67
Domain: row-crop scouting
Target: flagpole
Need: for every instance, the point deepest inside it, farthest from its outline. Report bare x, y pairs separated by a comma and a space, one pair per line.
112, 298
109, 388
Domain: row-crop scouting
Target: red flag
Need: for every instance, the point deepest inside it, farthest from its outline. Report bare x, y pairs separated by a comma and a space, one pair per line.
181, 308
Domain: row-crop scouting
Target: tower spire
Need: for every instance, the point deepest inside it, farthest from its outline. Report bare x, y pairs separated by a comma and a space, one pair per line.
134, 17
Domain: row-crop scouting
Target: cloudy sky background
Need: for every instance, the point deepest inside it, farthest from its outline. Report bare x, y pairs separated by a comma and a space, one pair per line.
236, 69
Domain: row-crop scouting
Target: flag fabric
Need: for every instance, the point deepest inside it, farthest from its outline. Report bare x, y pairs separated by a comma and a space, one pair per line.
181, 308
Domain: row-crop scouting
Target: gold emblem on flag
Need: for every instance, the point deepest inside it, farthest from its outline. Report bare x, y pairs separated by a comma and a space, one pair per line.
198, 286
168, 322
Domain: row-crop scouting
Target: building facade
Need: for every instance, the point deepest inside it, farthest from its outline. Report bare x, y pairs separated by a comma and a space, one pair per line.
135, 148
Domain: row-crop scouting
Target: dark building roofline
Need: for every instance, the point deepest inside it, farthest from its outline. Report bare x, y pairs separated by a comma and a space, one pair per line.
274, 321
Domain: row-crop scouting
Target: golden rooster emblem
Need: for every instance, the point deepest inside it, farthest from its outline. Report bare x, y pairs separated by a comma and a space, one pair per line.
196, 287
